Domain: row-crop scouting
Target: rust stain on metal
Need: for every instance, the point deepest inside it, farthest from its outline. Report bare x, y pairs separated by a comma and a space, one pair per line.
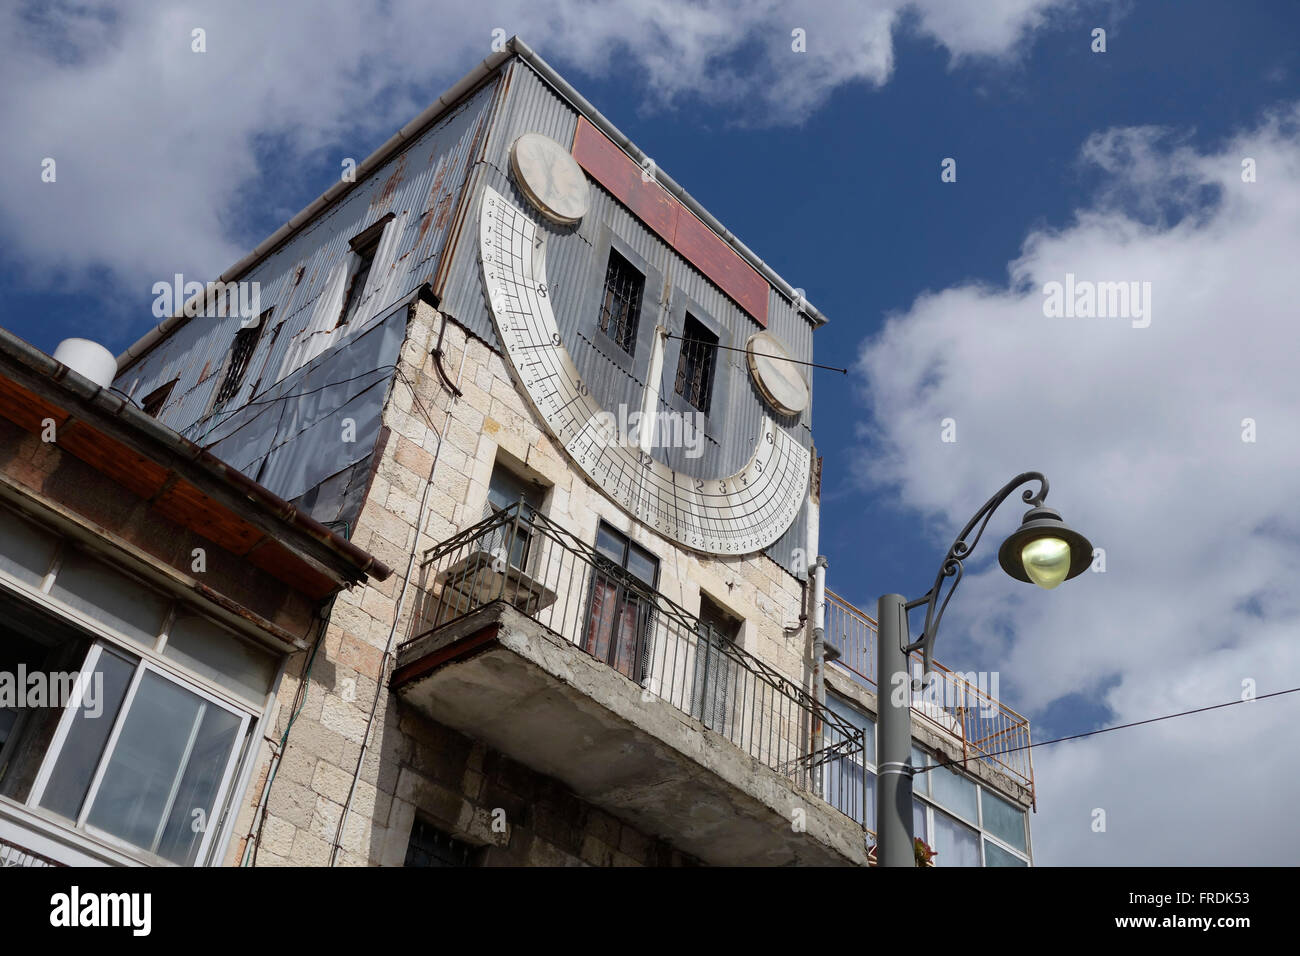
389, 189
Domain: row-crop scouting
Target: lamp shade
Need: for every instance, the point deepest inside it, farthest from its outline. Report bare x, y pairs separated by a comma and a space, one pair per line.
1044, 551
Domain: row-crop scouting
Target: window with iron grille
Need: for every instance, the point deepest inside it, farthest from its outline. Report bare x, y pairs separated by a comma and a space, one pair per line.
620, 306
695, 364
430, 846
240, 357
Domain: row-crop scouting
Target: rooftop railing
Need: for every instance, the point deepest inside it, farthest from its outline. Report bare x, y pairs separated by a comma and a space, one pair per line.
985, 727
519, 557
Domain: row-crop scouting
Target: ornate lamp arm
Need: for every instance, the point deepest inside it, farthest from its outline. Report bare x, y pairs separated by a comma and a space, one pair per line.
952, 564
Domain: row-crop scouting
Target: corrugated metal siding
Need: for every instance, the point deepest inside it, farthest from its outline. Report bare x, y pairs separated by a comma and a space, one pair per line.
531, 105
290, 434
424, 182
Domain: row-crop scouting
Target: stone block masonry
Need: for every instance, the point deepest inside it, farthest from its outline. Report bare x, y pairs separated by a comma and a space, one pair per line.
413, 766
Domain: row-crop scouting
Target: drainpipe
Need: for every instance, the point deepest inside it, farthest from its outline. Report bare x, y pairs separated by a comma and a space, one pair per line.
819, 658
406, 580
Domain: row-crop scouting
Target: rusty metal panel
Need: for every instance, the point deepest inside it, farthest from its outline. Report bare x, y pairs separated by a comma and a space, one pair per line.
423, 182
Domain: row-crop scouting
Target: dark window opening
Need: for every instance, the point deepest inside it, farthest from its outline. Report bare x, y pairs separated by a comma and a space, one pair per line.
241, 354
430, 846
505, 490
695, 364
364, 245
153, 402
620, 306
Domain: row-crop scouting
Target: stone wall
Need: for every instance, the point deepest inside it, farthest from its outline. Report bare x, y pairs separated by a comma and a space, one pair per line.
413, 765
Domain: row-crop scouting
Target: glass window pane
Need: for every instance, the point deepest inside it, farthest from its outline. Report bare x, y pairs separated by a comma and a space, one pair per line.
172, 744
25, 550
84, 746
921, 782
611, 544
183, 834
1004, 821
918, 821
855, 718
843, 787
994, 855
505, 489
954, 792
957, 845
643, 565
90, 585
206, 648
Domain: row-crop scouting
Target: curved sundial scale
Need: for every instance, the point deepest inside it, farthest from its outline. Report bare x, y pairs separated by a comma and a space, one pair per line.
734, 514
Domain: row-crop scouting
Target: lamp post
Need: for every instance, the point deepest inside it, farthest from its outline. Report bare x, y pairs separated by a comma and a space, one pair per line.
1043, 551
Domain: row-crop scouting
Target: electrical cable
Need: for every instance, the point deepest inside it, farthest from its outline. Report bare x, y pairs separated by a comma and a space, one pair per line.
280, 398
774, 358
1106, 730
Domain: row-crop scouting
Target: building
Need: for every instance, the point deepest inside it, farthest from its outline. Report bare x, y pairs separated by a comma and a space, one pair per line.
516, 363
150, 598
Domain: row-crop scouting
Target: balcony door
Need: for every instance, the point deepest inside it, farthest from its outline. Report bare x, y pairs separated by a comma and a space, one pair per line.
717, 675
620, 611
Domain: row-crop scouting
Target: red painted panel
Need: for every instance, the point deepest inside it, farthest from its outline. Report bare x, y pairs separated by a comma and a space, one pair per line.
670, 220
614, 169
709, 253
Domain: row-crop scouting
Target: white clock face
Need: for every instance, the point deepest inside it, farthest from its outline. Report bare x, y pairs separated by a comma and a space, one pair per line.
550, 178
731, 514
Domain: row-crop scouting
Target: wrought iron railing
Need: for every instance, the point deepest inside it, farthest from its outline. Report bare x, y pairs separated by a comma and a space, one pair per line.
13, 855
986, 728
521, 558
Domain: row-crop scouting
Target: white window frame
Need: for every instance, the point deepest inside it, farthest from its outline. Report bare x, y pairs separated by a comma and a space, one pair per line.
255, 713
55, 749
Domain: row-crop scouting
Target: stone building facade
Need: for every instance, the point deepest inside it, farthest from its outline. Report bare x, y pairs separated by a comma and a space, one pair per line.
594, 648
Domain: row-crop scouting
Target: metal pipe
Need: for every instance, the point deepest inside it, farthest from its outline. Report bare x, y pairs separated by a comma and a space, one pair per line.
819, 663
894, 735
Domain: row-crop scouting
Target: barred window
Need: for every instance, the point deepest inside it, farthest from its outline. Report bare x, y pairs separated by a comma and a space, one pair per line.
620, 306
431, 846
695, 364
240, 357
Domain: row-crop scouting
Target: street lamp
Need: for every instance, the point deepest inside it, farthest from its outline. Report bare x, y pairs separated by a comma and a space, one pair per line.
1044, 551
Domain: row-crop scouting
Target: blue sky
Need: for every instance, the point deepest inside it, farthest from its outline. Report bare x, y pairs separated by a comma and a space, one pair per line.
1118, 165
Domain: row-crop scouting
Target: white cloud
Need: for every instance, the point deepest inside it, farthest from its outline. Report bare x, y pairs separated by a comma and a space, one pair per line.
155, 144
1140, 430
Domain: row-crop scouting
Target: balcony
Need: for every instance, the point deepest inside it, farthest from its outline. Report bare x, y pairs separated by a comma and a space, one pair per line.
980, 727
534, 642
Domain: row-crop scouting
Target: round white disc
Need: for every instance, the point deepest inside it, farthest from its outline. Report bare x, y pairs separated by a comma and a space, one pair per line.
550, 178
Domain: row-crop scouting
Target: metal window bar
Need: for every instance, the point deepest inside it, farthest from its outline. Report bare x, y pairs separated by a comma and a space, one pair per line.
620, 306
984, 725
567, 587
240, 355
695, 366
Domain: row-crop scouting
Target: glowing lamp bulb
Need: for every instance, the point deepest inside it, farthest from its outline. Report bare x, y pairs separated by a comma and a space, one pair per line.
1046, 561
